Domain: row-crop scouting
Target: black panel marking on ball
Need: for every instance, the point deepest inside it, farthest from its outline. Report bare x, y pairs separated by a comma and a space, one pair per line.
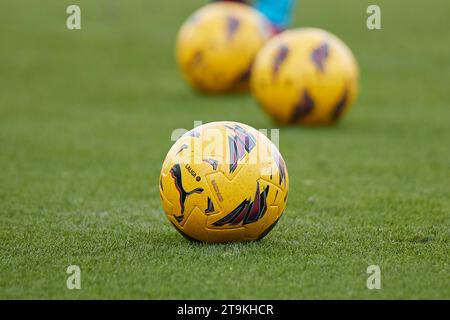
233, 25
179, 218
340, 105
281, 165
239, 143
212, 162
184, 146
276, 195
320, 55
285, 197
303, 108
210, 206
280, 57
247, 211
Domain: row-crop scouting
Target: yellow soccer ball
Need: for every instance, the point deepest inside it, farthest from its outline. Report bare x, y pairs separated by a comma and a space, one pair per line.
224, 182
216, 46
305, 76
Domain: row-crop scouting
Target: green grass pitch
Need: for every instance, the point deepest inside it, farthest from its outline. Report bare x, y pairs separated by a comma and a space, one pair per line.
85, 123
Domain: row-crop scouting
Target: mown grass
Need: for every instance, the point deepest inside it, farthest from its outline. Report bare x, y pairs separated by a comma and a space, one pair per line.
85, 122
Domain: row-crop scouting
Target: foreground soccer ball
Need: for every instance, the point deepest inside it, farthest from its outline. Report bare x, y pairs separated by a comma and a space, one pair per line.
305, 76
223, 182
216, 46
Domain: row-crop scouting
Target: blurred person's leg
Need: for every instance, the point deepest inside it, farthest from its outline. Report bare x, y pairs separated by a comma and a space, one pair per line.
279, 12
243, 1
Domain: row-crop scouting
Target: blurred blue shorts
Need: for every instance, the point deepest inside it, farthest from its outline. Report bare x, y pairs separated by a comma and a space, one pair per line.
279, 12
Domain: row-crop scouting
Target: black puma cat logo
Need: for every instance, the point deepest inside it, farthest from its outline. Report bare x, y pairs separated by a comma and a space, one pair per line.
175, 172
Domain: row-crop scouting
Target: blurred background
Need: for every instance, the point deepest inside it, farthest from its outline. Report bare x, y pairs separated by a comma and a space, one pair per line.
85, 123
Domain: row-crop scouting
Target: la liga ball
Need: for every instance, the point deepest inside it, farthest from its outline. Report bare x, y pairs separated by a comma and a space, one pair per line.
217, 45
224, 182
305, 76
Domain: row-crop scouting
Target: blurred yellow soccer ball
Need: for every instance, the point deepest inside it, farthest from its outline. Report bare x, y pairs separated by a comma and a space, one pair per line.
224, 182
305, 76
217, 45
